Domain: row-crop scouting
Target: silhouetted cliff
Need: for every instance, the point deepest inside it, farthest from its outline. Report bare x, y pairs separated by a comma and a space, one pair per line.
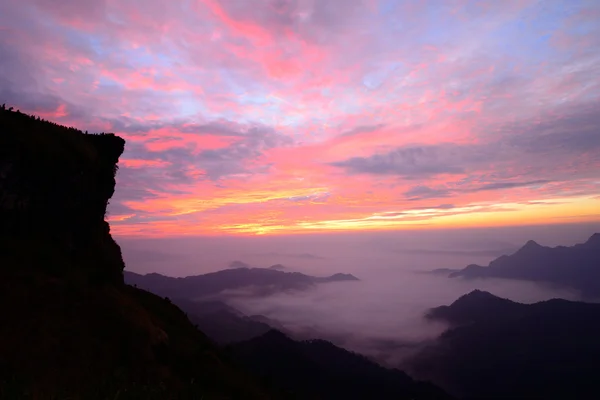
55, 183
70, 327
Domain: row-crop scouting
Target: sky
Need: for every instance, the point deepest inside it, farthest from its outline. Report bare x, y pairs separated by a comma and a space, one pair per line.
280, 117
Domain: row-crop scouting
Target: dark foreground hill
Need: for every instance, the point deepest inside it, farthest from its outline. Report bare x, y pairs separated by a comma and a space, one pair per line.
250, 281
576, 266
70, 328
317, 369
499, 349
223, 323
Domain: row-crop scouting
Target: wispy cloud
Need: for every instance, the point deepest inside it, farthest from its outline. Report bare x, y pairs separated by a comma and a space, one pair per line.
274, 116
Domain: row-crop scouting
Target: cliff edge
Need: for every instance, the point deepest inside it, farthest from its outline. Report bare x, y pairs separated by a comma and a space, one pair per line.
70, 327
55, 183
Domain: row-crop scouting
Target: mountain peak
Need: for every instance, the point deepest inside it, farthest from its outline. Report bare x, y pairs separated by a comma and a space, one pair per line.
567, 266
274, 336
478, 295
341, 276
594, 240
531, 244
473, 306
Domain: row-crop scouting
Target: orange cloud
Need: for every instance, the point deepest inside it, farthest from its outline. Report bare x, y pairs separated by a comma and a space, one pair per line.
261, 117
135, 163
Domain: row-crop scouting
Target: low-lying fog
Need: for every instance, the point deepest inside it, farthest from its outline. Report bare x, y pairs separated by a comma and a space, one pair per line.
382, 314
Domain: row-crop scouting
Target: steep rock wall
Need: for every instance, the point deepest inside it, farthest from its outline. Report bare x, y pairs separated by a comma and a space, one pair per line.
70, 327
55, 184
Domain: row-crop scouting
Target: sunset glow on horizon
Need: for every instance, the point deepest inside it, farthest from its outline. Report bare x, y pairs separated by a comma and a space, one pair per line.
303, 116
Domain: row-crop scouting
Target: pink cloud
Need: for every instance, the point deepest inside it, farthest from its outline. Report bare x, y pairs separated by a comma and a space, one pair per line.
274, 117
136, 163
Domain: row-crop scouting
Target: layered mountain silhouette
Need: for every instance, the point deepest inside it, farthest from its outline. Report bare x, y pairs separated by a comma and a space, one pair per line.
202, 297
497, 348
310, 369
72, 328
248, 281
223, 323
576, 266
316, 369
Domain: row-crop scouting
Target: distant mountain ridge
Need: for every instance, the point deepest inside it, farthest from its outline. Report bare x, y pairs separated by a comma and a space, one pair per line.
257, 281
202, 297
577, 266
497, 348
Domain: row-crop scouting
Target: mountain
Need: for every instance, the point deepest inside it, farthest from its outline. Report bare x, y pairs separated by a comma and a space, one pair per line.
71, 328
316, 369
577, 266
474, 307
278, 267
497, 348
335, 278
223, 323
249, 281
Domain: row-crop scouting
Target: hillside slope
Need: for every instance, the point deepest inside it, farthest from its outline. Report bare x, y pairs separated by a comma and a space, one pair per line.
501, 349
317, 369
70, 326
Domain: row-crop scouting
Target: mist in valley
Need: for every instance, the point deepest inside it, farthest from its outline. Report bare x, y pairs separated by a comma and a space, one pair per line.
381, 315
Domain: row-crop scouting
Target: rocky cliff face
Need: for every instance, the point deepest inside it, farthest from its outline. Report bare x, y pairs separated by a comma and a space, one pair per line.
69, 326
55, 183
